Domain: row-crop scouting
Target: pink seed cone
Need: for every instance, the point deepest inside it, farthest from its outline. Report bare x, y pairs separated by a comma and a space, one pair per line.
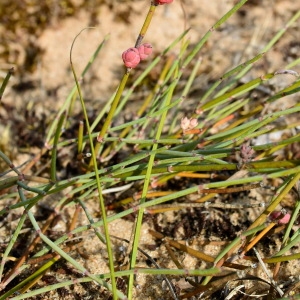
145, 50
193, 123
131, 57
185, 123
279, 217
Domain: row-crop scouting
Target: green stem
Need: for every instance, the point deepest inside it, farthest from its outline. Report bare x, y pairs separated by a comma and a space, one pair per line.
145, 25
5, 82
100, 197
65, 255
105, 127
54, 148
137, 230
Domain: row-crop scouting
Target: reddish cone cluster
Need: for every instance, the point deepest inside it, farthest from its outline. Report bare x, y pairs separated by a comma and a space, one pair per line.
187, 124
133, 56
280, 217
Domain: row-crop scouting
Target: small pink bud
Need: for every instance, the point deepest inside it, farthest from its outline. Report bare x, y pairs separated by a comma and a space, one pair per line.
162, 2
285, 219
185, 123
280, 217
145, 50
188, 124
131, 57
193, 123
